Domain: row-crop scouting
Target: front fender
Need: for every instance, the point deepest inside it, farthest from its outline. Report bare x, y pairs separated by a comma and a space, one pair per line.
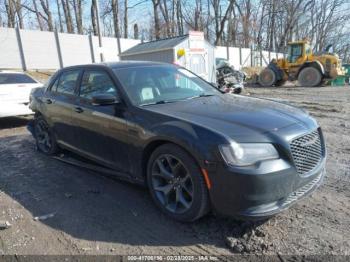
194, 139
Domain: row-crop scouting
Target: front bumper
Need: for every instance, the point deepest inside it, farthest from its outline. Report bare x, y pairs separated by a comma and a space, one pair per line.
258, 196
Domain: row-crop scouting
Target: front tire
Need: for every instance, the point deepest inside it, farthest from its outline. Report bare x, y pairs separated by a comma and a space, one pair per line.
45, 139
267, 77
176, 184
310, 77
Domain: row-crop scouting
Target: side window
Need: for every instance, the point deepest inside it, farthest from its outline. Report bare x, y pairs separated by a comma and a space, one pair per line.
54, 85
96, 82
67, 82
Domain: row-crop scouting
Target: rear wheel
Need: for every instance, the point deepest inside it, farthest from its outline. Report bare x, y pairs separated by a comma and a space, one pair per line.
310, 77
45, 140
267, 77
176, 184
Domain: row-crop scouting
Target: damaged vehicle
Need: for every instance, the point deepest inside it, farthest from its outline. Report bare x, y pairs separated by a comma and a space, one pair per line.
196, 149
228, 79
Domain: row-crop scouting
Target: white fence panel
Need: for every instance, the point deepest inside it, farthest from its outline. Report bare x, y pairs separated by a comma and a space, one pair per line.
246, 57
265, 58
75, 49
235, 57
9, 51
221, 52
40, 49
110, 49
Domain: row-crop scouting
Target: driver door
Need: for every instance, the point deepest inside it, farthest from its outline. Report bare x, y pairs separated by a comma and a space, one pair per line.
101, 130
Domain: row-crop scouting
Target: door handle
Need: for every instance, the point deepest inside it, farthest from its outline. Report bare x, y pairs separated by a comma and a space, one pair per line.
78, 109
48, 101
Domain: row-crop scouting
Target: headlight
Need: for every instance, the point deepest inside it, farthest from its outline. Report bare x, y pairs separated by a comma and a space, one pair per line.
245, 154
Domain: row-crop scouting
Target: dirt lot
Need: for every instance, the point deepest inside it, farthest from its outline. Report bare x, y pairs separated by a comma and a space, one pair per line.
92, 214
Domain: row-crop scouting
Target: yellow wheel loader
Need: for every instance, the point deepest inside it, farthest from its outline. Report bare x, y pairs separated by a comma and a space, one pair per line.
301, 64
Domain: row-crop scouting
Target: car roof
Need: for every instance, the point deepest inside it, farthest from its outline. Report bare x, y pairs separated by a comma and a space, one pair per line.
119, 65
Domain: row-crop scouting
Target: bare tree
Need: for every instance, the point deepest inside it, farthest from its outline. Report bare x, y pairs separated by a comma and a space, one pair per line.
136, 31
220, 21
115, 11
156, 4
93, 14
48, 15
10, 11
18, 7
126, 8
68, 16
59, 15
78, 11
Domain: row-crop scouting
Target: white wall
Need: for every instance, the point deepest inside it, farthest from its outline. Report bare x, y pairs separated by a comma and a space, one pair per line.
75, 49
41, 51
9, 52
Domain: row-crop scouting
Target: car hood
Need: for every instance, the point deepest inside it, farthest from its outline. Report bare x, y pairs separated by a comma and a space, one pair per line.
234, 115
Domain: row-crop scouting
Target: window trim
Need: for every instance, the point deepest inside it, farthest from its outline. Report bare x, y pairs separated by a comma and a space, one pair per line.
95, 69
58, 78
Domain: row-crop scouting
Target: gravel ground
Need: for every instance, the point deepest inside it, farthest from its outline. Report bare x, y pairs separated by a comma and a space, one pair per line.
87, 213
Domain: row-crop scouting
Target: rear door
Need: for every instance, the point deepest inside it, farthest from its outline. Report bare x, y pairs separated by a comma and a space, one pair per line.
101, 130
59, 101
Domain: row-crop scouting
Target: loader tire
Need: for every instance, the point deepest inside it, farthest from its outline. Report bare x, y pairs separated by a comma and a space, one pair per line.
267, 77
310, 77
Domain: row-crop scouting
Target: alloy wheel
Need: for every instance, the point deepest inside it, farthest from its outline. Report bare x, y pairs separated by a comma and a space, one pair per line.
43, 136
172, 183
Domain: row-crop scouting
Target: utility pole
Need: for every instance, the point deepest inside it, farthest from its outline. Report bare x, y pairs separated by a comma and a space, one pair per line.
99, 31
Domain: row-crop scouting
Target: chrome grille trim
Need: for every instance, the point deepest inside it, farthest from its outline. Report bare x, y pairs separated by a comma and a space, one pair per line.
307, 152
303, 190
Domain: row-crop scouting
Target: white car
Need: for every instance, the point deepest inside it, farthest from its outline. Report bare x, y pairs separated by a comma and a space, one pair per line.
15, 88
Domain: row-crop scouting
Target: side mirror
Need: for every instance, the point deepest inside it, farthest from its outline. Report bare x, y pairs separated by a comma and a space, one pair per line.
105, 99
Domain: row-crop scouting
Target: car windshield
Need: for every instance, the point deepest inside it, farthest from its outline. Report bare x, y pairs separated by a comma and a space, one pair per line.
12, 78
162, 84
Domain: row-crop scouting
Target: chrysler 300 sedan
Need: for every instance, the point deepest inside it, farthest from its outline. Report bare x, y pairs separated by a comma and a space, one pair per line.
195, 148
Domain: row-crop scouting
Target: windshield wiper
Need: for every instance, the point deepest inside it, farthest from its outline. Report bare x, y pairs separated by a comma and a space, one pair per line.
158, 102
200, 95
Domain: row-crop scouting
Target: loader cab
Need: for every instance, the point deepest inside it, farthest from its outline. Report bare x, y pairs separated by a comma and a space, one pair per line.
298, 52
295, 51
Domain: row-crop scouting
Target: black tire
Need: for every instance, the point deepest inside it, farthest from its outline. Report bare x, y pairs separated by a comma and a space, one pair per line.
44, 137
267, 77
310, 77
280, 82
193, 191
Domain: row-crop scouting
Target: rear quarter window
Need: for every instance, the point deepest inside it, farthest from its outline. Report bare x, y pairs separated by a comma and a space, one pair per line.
11, 78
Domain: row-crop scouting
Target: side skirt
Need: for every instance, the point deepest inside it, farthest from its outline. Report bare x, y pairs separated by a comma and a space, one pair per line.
70, 159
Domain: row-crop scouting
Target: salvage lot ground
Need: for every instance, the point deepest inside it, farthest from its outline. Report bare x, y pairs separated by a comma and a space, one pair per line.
92, 214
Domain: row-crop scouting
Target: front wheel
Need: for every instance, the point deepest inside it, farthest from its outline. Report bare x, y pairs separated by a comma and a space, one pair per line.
267, 77
176, 184
45, 139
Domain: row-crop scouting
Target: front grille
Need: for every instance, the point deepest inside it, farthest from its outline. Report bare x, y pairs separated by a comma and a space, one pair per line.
307, 152
303, 190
